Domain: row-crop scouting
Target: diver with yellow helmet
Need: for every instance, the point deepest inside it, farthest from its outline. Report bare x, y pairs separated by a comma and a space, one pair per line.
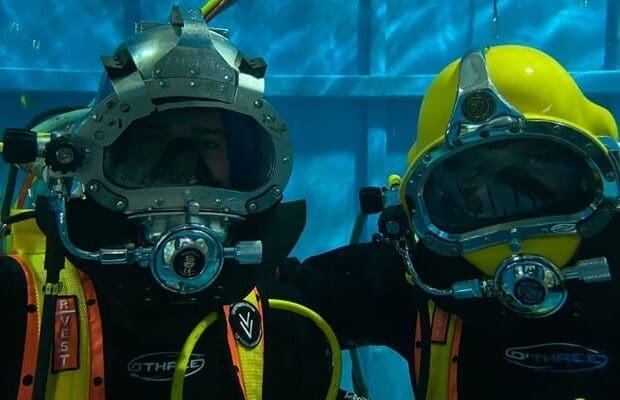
505, 229
144, 269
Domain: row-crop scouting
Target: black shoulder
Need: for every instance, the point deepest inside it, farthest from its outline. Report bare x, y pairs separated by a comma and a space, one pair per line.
13, 298
603, 244
12, 280
362, 292
346, 271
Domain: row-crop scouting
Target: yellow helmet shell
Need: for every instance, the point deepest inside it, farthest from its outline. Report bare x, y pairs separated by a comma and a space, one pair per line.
530, 80
539, 88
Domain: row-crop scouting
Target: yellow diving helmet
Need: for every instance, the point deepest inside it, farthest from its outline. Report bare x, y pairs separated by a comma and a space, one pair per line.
511, 168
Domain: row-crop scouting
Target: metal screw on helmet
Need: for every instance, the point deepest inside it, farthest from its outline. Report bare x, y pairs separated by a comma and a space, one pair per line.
515, 244
280, 127
99, 135
516, 127
193, 207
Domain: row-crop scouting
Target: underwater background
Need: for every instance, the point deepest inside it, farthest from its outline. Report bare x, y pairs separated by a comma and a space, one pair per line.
347, 76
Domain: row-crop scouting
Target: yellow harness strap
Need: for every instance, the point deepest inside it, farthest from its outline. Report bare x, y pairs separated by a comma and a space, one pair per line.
245, 334
249, 369
445, 342
77, 354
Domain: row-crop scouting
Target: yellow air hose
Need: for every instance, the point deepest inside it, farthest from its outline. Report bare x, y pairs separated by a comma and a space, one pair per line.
208, 7
334, 382
276, 304
181, 366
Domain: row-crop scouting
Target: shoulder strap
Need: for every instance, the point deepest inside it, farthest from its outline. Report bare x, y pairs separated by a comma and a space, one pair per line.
77, 367
31, 342
245, 336
445, 338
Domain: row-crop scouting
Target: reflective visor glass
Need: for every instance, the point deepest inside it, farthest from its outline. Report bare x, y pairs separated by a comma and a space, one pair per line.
191, 146
506, 181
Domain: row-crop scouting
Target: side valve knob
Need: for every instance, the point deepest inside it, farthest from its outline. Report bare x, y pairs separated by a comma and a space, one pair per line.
62, 155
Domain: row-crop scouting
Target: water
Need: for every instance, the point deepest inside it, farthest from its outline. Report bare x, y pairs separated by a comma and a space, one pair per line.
346, 75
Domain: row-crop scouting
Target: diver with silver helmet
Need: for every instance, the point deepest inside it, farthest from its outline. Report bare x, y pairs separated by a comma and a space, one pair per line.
501, 246
144, 269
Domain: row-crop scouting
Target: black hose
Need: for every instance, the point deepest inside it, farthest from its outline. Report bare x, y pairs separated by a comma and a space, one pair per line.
13, 219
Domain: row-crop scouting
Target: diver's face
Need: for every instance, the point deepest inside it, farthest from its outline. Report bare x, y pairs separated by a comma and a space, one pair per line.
174, 147
208, 130
196, 149
507, 181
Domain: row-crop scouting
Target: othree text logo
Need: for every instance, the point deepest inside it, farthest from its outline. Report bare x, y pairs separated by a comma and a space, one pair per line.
556, 357
160, 366
353, 396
